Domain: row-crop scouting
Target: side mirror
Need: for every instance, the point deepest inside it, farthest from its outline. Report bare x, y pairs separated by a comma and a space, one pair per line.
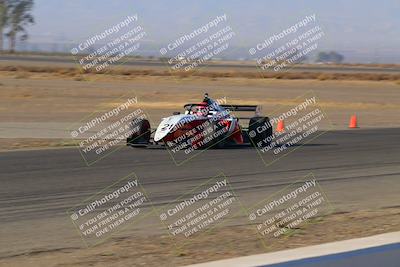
176, 113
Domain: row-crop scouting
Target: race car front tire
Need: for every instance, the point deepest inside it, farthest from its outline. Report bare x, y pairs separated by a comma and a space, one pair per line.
141, 133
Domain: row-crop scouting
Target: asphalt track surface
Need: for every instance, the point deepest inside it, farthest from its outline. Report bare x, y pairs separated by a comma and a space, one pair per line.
357, 169
240, 67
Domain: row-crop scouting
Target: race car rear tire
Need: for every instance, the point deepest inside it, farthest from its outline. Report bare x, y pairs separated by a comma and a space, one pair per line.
260, 129
141, 136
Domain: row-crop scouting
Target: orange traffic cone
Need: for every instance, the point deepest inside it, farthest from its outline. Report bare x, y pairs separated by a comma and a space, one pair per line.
353, 122
281, 126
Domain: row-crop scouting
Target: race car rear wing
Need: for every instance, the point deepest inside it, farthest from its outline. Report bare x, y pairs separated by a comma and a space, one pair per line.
242, 107
235, 108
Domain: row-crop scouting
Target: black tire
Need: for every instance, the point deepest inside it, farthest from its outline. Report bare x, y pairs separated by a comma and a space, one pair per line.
259, 136
140, 136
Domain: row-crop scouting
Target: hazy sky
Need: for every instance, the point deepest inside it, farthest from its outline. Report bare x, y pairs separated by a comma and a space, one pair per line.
348, 24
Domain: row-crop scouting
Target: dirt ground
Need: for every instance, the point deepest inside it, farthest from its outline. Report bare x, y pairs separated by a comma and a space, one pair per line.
220, 243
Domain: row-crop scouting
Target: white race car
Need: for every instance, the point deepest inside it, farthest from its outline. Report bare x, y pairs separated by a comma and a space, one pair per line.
203, 125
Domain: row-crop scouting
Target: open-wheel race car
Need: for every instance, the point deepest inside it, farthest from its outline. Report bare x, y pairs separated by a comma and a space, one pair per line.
203, 125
